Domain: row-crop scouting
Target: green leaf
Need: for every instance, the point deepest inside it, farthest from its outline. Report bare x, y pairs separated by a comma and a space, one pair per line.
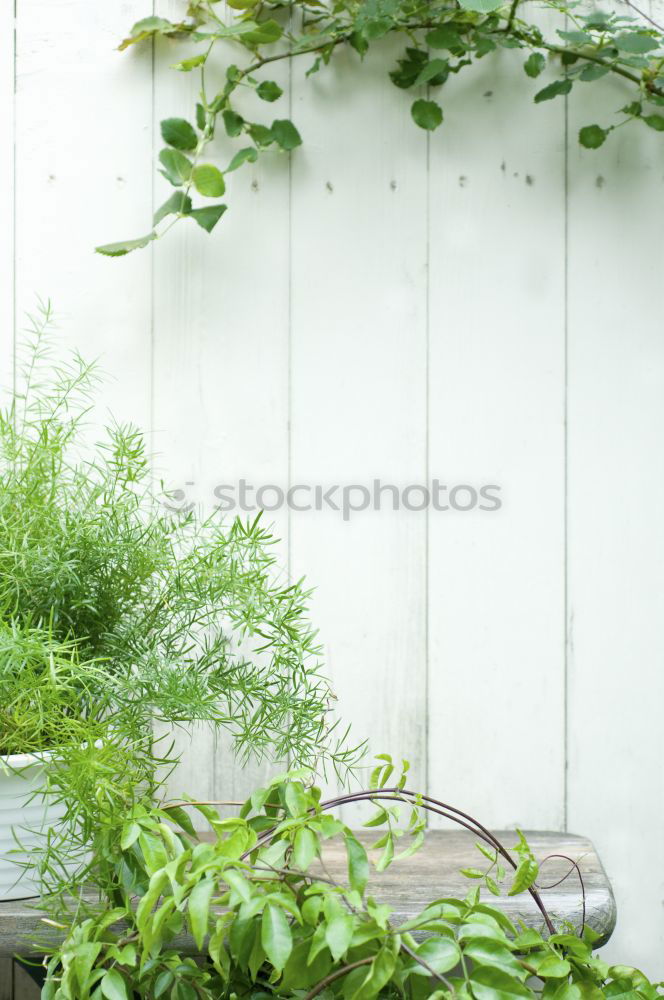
180, 815
177, 167
178, 204
593, 71
264, 33
247, 155
338, 935
481, 6
285, 134
268, 90
488, 951
261, 135
576, 37
177, 132
114, 986
445, 36
233, 122
593, 136
120, 249
435, 73
187, 65
305, 848
208, 217
146, 28
636, 42
358, 864
471, 873
208, 180
441, 953
276, 936
427, 114
238, 883
534, 64
555, 89
494, 984
163, 981
199, 909
130, 832
524, 876
654, 121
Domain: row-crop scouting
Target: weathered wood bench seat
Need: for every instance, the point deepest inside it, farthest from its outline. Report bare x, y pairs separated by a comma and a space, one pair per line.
406, 886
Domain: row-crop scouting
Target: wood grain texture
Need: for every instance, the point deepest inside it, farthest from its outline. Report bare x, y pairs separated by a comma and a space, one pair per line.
358, 371
496, 416
431, 873
6, 977
7, 154
221, 312
83, 146
25, 988
616, 533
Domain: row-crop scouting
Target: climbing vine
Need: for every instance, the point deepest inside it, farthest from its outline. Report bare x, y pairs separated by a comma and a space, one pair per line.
441, 38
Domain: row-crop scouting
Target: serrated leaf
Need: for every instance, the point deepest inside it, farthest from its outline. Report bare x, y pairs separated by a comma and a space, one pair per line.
125, 247
276, 936
534, 64
187, 65
555, 89
427, 114
268, 90
208, 180
208, 217
233, 122
178, 203
593, 71
285, 134
177, 132
636, 42
177, 167
481, 6
592, 136
248, 155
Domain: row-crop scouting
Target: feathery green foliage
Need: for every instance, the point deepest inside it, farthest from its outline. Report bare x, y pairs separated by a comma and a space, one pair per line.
115, 613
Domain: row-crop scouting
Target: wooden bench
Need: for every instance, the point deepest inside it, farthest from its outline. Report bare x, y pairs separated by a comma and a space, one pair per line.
406, 886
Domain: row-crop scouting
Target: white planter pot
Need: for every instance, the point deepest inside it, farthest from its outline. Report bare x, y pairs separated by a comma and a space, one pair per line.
29, 815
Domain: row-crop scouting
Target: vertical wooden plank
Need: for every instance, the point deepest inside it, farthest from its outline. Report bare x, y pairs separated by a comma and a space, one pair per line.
221, 361
25, 988
7, 53
616, 495
83, 177
358, 371
6, 977
496, 577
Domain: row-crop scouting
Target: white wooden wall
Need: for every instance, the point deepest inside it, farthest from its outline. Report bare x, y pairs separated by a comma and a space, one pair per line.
481, 305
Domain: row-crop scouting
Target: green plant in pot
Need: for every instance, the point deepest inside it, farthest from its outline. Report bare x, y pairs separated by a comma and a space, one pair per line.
115, 613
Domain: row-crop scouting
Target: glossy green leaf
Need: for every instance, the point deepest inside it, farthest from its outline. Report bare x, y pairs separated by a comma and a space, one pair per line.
358, 864
440, 953
177, 167
268, 90
305, 848
208, 217
208, 180
534, 64
555, 89
593, 136
285, 134
276, 936
427, 114
338, 935
177, 132
114, 986
489, 983
122, 248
